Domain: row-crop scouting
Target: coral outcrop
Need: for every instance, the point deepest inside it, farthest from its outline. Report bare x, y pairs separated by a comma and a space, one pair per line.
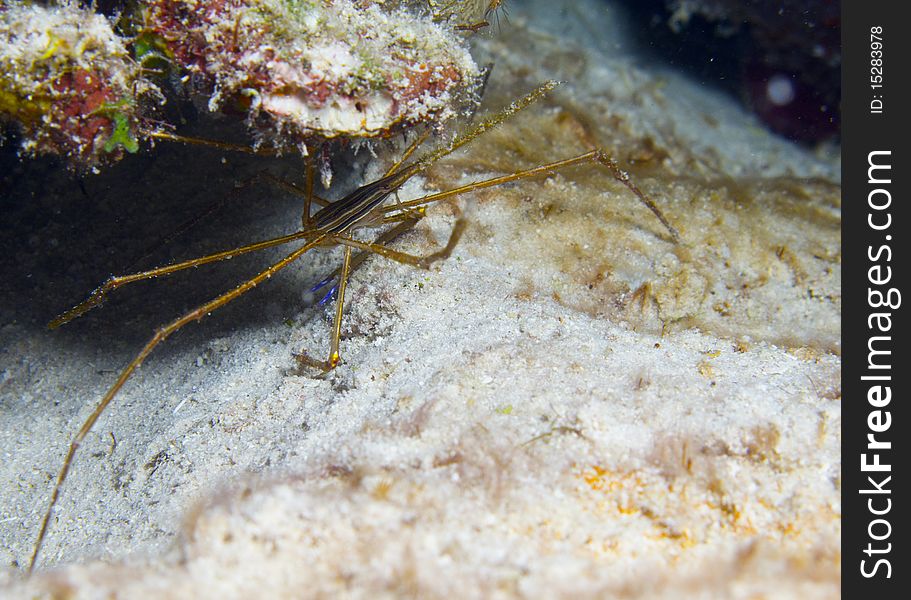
295, 70
339, 68
67, 81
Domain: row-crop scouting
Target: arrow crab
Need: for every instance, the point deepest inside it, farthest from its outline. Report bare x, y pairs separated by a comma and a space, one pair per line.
227, 49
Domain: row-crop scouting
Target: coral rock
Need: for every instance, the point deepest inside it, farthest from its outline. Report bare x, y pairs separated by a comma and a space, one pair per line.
67, 81
332, 68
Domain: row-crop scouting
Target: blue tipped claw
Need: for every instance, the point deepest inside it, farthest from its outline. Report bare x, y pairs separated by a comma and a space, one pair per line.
323, 283
332, 293
329, 296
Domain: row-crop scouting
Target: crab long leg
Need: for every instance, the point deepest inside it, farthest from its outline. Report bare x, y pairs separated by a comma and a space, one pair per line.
334, 357
114, 282
403, 257
184, 139
593, 156
160, 335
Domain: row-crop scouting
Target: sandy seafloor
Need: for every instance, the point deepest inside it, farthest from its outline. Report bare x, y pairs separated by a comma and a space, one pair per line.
570, 406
